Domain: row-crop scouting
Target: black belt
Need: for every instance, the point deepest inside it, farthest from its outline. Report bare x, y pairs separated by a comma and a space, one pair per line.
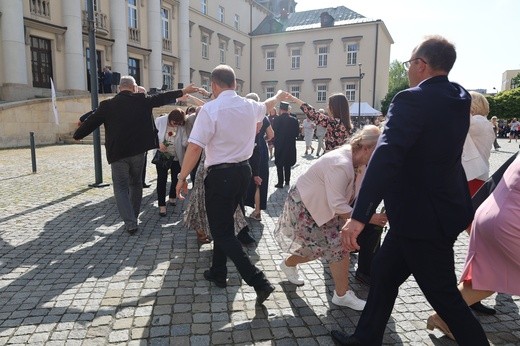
228, 165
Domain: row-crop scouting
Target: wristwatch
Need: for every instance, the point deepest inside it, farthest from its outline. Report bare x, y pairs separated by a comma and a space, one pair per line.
179, 177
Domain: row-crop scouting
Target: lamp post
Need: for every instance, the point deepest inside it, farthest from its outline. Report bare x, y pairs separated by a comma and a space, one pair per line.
361, 75
96, 136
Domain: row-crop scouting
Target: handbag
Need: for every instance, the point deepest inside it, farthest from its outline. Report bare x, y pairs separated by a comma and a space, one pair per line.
162, 160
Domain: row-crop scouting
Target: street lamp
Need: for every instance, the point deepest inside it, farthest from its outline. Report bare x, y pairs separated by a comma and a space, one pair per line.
361, 75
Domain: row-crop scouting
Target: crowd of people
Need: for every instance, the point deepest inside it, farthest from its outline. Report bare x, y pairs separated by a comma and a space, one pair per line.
424, 179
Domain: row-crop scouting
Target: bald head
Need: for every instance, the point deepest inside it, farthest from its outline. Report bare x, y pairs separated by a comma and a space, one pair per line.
223, 76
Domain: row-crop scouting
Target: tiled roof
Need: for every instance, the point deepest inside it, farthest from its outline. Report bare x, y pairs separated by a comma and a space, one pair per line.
308, 20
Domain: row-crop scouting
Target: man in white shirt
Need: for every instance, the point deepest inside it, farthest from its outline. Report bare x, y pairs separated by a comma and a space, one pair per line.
226, 128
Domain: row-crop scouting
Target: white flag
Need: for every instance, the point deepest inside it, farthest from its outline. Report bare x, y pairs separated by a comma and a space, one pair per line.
54, 105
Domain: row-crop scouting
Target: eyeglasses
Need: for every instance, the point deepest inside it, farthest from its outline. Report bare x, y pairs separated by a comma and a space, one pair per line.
408, 63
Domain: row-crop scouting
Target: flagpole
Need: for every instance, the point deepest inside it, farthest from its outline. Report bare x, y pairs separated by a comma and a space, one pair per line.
94, 93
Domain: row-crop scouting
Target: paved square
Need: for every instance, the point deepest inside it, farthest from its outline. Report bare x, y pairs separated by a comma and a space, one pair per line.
70, 275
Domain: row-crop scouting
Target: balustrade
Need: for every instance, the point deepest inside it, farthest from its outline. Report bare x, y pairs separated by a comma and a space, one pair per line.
40, 8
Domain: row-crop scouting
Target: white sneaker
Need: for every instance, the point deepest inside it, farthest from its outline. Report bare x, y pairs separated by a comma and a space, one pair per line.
349, 300
291, 273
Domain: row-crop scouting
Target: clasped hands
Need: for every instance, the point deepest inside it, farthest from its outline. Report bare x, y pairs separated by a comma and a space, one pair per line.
352, 228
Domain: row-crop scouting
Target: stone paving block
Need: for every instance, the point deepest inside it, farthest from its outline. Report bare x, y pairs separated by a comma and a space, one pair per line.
261, 334
200, 328
286, 342
199, 340
60, 335
118, 336
221, 338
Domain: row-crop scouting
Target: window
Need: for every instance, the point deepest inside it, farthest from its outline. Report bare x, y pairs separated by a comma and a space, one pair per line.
270, 60
204, 6
221, 14
222, 51
239, 86
94, 4
205, 83
269, 92
41, 62
237, 22
167, 76
295, 91
205, 46
134, 70
352, 51
323, 53
322, 92
165, 23
238, 54
132, 14
350, 92
295, 58
98, 65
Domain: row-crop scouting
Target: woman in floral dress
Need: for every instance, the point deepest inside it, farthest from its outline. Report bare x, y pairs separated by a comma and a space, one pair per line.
195, 216
316, 208
338, 123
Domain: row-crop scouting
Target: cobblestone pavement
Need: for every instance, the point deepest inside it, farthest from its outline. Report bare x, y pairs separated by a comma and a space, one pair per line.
69, 274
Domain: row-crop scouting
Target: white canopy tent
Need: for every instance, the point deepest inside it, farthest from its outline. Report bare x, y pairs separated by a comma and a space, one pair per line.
366, 110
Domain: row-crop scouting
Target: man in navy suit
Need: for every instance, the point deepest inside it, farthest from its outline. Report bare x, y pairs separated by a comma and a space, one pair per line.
286, 129
416, 168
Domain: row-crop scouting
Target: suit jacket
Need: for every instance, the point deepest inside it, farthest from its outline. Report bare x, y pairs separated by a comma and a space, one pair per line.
128, 121
416, 167
286, 129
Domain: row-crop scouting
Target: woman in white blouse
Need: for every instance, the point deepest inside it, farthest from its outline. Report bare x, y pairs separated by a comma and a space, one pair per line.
316, 208
478, 144
173, 140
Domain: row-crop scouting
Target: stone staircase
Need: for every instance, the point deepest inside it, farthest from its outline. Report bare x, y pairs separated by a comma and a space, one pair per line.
67, 137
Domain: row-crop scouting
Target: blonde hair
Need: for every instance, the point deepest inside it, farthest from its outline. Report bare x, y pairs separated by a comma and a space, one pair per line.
479, 104
366, 137
253, 96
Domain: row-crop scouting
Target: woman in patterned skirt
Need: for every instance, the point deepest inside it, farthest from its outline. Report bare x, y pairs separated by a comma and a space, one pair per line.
317, 207
195, 216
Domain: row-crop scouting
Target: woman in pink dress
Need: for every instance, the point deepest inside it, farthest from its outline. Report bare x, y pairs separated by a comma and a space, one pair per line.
493, 260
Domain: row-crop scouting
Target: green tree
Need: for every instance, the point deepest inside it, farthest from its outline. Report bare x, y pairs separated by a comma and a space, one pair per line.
505, 105
397, 76
397, 81
515, 82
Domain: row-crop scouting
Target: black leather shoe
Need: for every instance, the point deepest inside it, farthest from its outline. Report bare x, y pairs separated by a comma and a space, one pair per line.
132, 231
245, 238
212, 278
479, 307
341, 338
263, 292
363, 278
287, 183
280, 186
